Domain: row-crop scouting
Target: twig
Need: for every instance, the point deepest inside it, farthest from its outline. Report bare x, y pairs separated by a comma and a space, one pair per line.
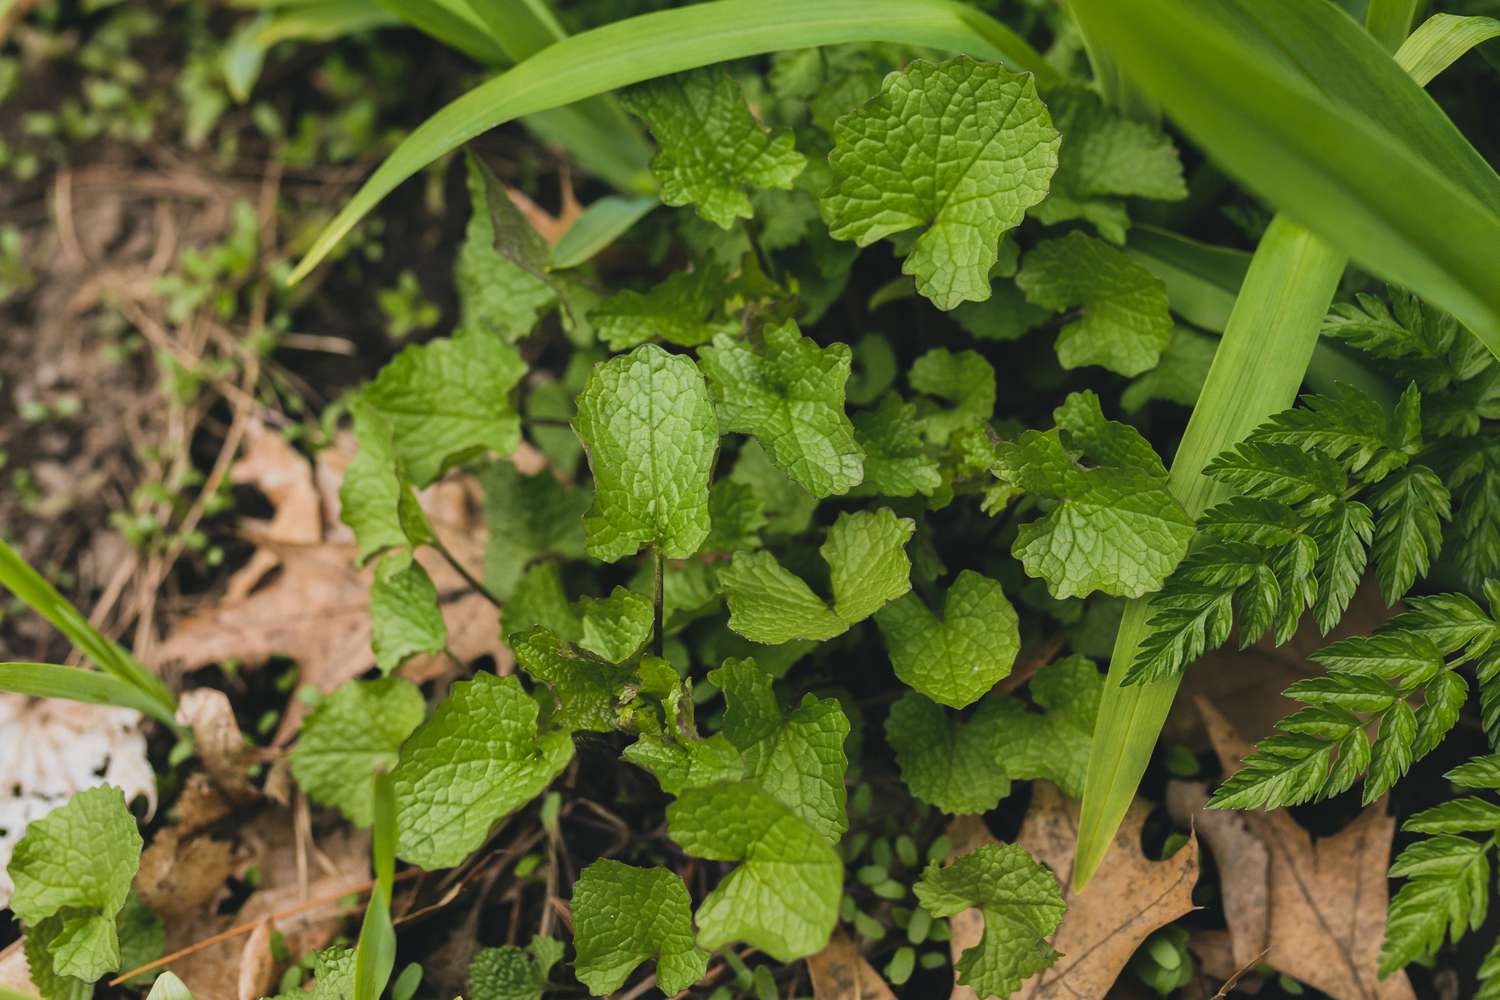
1239, 974
463, 571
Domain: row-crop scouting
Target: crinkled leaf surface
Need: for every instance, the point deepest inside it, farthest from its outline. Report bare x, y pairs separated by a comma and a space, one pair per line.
682, 309
539, 599
897, 463
1113, 526
866, 556
961, 148
1053, 744
790, 397
712, 148
737, 514
77, 862
449, 401
965, 379
404, 614
679, 764
616, 627
651, 436
585, 687
526, 517
353, 733
1125, 323
783, 898
1022, 907
623, 916
953, 764
474, 762
954, 659
798, 759
496, 296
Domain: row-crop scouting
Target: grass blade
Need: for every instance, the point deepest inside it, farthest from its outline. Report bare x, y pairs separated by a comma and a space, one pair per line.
1256, 371
601, 224
454, 26
375, 953
1300, 103
670, 41
1389, 21
1440, 41
54, 680
27, 584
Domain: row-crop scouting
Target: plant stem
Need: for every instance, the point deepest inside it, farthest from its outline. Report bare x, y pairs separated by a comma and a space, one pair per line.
463, 571
1256, 371
660, 633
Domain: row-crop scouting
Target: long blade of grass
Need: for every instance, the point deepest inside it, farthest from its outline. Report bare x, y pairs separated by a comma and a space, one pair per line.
1256, 371
670, 41
375, 953
54, 680
27, 584
1303, 106
1440, 41
454, 25
601, 224
1389, 21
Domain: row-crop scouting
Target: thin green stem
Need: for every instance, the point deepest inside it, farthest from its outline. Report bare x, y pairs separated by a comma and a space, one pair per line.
463, 571
658, 580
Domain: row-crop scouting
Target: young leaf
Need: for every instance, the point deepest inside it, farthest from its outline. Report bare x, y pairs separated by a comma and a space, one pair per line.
955, 765
375, 498
585, 687
1054, 744
783, 898
791, 398
960, 148
623, 916
449, 401
1022, 907
866, 556
76, 864
712, 148
496, 296
404, 614
616, 627
1125, 323
956, 659
511, 973
680, 310
651, 436
964, 379
1409, 510
1118, 511
353, 733
476, 760
679, 764
897, 463
1447, 894
798, 760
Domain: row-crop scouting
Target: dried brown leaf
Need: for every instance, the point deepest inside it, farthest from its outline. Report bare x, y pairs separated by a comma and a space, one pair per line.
257, 964
221, 745
840, 972
1326, 898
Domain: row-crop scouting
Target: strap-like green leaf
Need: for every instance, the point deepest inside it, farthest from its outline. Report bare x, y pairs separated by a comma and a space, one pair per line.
670, 41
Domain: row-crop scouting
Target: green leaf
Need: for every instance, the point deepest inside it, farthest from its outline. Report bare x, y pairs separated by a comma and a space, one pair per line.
897, 463
1125, 323
1115, 526
527, 517
539, 599
1475, 482
669, 41
960, 149
623, 916
790, 397
783, 898
616, 627
476, 760
603, 222
1021, 905
496, 296
76, 863
511, 973
1053, 744
1314, 115
585, 687
404, 614
712, 148
1392, 754
964, 379
1179, 374
352, 734
449, 401
1409, 511
680, 764
1447, 894
651, 436
788, 507
737, 515
956, 659
1104, 158
683, 309
799, 760
374, 493
866, 557
955, 765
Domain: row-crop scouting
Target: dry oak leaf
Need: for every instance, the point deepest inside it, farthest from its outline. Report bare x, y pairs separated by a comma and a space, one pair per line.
840, 972
1325, 899
51, 749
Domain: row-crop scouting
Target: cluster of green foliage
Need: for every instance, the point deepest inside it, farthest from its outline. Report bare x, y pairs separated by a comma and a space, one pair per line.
761, 488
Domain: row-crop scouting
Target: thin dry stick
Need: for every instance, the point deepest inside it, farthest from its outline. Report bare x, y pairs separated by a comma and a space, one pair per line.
243, 929
1234, 980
